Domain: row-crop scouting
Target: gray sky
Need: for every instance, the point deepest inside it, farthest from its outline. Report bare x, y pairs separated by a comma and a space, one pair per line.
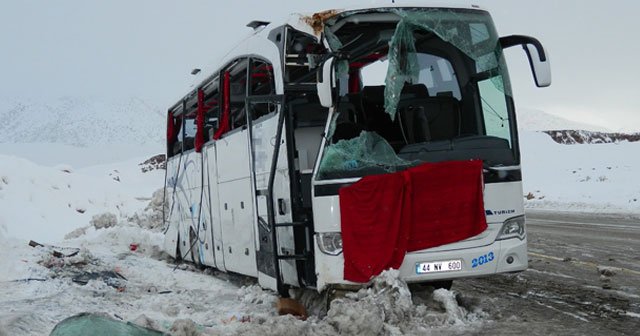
116, 49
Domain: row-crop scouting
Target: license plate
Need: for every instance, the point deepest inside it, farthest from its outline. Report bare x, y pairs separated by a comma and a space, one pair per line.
439, 266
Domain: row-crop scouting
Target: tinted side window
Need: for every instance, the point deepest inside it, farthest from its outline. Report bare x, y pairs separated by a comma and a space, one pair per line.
238, 93
262, 84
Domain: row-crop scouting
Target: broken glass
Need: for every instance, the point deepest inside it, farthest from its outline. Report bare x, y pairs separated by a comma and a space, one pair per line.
481, 45
332, 125
365, 152
342, 66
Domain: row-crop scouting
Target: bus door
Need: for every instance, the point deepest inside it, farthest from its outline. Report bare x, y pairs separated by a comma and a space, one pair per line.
276, 257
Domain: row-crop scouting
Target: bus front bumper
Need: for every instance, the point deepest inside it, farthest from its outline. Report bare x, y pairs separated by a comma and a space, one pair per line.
502, 256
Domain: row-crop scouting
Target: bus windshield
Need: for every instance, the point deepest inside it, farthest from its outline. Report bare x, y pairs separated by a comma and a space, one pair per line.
417, 85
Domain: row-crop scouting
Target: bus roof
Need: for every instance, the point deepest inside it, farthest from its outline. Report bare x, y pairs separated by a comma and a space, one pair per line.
305, 22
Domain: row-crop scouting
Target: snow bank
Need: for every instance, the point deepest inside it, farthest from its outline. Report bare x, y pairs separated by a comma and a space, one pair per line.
45, 203
386, 308
589, 178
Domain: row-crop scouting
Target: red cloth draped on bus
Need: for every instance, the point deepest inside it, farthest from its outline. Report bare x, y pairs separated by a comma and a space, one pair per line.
223, 124
200, 136
385, 216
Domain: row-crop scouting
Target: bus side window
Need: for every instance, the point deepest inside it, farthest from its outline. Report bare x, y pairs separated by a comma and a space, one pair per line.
174, 129
188, 131
262, 84
212, 112
238, 93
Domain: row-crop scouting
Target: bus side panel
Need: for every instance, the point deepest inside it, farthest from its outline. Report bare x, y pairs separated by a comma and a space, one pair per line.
215, 233
189, 192
205, 235
172, 216
236, 203
263, 146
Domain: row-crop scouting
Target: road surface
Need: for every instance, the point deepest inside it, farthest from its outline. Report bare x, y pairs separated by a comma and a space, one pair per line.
583, 279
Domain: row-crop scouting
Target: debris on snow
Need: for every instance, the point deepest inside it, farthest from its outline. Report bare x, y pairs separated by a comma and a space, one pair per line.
185, 327
104, 220
607, 271
57, 252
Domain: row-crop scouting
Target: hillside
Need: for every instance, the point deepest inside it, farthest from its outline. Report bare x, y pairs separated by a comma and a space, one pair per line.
81, 122
572, 137
536, 120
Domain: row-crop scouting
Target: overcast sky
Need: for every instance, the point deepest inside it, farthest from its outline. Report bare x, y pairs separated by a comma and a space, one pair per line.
114, 49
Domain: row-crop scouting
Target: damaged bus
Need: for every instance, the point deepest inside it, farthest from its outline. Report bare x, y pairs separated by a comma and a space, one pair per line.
327, 148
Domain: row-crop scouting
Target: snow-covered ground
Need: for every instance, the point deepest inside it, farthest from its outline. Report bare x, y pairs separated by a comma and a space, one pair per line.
57, 193
585, 178
185, 301
47, 203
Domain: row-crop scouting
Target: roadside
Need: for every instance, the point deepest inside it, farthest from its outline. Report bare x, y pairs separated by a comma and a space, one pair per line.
583, 276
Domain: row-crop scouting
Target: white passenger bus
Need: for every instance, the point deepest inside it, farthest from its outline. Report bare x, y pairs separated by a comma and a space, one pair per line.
309, 155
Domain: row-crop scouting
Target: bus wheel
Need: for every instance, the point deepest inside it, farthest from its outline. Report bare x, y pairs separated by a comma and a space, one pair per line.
446, 284
289, 306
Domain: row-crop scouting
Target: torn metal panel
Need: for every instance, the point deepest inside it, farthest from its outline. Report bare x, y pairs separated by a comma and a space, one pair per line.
317, 20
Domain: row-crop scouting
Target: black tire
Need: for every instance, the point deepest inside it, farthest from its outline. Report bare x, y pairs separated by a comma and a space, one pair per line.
433, 285
446, 284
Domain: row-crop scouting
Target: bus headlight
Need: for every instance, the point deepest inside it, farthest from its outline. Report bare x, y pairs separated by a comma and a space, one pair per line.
330, 243
513, 228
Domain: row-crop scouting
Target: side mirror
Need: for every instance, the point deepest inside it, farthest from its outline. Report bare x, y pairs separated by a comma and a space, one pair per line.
326, 83
538, 58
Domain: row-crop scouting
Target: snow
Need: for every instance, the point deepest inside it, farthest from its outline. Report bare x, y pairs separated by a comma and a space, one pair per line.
586, 178
45, 203
81, 122
183, 300
122, 206
94, 196
535, 120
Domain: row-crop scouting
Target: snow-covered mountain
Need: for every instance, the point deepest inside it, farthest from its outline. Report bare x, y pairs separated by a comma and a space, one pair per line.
537, 120
81, 122
572, 137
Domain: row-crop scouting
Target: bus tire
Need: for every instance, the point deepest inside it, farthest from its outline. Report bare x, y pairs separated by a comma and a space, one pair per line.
433, 285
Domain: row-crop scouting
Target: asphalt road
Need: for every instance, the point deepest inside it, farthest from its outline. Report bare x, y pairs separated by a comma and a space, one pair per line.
583, 279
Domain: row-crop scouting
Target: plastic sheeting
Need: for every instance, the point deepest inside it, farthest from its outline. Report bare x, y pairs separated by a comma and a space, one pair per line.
98, 325
369, 150
444, 23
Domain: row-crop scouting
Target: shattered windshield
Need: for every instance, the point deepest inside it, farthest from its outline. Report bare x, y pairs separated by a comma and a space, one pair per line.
431, 84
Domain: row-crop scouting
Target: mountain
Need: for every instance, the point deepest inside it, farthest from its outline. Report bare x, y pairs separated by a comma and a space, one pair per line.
536, 120
81, 122
572, 137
